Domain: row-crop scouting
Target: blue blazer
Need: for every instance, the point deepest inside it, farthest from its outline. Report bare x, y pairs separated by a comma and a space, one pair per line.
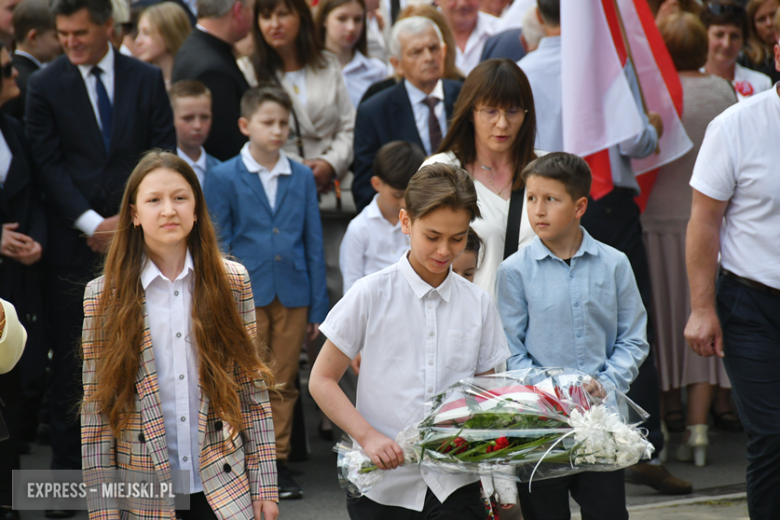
281, 249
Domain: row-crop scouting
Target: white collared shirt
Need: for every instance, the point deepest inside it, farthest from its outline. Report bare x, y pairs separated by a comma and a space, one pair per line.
361, 73
5, 159
370, 244
29, 56
91, 219
107, 77
469, 58
421, 111
199, 166
543, 69
416, 341
269, 179
169, 311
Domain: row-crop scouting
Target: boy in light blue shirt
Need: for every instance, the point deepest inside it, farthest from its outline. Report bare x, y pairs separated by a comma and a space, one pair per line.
568, 300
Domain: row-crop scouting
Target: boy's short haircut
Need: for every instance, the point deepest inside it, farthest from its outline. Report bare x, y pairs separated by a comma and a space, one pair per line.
571, 170
397, 162
441, 185
32, 14
473, 242
188, 88
254, 97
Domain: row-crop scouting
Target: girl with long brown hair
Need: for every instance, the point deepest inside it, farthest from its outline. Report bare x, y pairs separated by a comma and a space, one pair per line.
172, 374
492, 137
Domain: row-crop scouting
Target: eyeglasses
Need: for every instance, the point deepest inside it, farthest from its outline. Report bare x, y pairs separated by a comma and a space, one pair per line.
728, 9
8, 70
491, 115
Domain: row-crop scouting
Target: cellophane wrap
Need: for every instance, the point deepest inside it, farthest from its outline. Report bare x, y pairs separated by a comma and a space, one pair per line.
525, 425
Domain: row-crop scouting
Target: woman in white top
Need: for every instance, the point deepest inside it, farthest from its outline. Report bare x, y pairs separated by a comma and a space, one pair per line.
727, 27
288, 51
342, 28
492, 137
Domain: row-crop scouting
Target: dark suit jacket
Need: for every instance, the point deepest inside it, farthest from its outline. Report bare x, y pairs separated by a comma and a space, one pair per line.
210, 60
386, 117
25, 66
505, 44
74, 170
20, 202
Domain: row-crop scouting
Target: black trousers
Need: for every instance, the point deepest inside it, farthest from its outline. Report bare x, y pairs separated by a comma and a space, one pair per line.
751, 338
64, 291
463, 504
199, 509
614, 220
601, 496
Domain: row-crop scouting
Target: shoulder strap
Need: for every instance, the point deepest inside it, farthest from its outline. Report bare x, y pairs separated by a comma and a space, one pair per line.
513, 222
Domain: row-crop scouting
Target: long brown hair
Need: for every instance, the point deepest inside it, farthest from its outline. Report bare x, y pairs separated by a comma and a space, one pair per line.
223, 342
451, 71
325, 7
498, 83
307, 44
756, 49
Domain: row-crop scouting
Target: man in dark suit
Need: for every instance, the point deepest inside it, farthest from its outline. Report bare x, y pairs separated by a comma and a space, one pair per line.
506, 44
36, 44
90, 116
417, 109
207, 56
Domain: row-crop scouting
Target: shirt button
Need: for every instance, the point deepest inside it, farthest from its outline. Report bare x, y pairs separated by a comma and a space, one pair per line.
571, 275
430, 362
178, 334
183, 419
181, 376
276, 231
185, 458
579, 333
430, 306
278, 258
430, 390
175, 293
431, 333
576, 304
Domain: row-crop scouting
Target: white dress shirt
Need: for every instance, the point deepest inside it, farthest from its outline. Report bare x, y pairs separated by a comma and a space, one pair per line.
270, 179
370, 244
469, 58
91, 219
361, 73
421, 112
5, 159
168, 308
416, 341
738, 162
199, 166
543, 69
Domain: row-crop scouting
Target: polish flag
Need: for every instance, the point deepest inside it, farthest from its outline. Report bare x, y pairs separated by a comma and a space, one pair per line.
662, 89
599, 110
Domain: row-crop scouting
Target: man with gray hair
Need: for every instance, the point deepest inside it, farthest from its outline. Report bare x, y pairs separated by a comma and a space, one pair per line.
207, 56
416, 110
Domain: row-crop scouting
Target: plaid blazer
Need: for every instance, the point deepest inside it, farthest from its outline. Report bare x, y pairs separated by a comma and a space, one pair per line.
234, 472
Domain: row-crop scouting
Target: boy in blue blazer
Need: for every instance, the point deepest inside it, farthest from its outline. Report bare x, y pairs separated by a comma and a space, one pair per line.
264, 206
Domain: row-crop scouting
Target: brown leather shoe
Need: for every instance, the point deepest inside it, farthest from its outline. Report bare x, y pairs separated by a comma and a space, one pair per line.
658, 478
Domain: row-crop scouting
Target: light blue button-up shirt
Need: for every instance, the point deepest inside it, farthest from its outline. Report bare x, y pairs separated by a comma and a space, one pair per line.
588, 316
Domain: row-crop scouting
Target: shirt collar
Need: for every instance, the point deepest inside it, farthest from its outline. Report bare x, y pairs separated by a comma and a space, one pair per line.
422, 288
373, 210
151, 272
106, 64
29, 57
200, 163
417, 96
485, 25
588, 245
549, 42
282, 166
358, 62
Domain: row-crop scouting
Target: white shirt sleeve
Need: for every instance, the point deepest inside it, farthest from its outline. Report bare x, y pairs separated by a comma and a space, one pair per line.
493, 348
714, 173
351, 254
347, 321
89, 221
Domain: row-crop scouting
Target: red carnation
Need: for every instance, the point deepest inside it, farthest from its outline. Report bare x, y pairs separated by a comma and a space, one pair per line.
501, 443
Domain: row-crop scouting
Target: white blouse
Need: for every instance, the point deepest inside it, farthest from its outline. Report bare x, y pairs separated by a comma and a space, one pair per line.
361, 73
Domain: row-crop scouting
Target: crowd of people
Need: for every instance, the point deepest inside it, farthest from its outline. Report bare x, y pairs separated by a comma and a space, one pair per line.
316, 143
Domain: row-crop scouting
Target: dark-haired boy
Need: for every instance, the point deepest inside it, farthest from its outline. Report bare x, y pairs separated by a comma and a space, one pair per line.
191, 105
374, 239
568, 300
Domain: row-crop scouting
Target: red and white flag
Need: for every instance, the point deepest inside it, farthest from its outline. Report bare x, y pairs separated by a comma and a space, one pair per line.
599, 110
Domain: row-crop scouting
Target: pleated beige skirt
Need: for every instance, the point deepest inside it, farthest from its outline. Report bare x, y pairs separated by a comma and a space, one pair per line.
678, 365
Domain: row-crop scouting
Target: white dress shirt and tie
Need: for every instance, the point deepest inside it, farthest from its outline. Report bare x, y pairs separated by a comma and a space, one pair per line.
199, 166
422, 115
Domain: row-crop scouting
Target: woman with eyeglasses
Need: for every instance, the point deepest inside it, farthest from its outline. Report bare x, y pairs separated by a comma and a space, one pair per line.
759, 53
23, 233
727, 28
492, 137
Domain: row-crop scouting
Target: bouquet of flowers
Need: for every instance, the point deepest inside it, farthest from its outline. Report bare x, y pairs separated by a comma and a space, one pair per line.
526, 424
